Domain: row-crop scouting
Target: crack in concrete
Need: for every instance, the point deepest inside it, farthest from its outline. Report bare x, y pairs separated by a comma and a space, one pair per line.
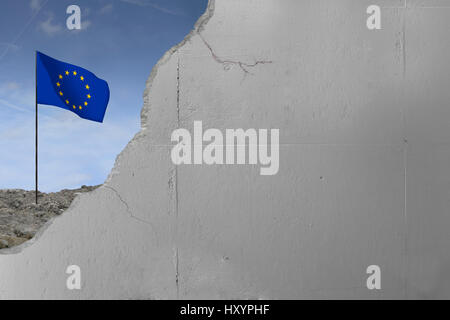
405, 157
128, 207
176, 184
242, 65
173, 185
177, 274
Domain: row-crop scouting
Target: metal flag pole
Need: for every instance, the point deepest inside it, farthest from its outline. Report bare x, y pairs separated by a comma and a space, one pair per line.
36, 136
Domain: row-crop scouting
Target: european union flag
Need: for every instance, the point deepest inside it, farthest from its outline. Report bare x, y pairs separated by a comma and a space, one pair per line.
70, 87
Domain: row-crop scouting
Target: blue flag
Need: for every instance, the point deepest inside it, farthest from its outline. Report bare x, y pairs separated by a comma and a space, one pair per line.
70, 87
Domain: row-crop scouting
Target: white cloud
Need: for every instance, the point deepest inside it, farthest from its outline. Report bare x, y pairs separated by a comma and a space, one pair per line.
85, 24
146, 3
49, 27
72, 151
107, 9
11, 105
13, 96
9, 45
8, 87
35, 5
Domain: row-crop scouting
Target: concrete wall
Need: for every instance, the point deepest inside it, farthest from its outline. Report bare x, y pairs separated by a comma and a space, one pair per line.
364, 123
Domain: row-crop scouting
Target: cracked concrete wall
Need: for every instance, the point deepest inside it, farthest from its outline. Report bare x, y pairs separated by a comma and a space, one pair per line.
363, 119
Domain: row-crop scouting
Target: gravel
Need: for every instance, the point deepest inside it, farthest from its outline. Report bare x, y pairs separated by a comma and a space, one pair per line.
21, 218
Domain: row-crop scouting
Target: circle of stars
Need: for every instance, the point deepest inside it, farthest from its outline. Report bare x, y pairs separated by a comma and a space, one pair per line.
61, 94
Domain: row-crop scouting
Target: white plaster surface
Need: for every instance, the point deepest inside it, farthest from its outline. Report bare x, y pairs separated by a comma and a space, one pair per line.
364, 121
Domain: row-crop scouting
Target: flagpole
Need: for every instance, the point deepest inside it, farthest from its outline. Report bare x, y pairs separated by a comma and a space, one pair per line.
36, 135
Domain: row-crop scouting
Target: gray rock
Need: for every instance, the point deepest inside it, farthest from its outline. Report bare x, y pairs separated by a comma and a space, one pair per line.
21, 218
3, 244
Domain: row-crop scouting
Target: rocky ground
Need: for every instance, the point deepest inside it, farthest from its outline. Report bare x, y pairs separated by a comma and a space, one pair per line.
21, 218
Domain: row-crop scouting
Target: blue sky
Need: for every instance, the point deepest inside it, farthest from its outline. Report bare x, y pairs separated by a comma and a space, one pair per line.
120, 41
